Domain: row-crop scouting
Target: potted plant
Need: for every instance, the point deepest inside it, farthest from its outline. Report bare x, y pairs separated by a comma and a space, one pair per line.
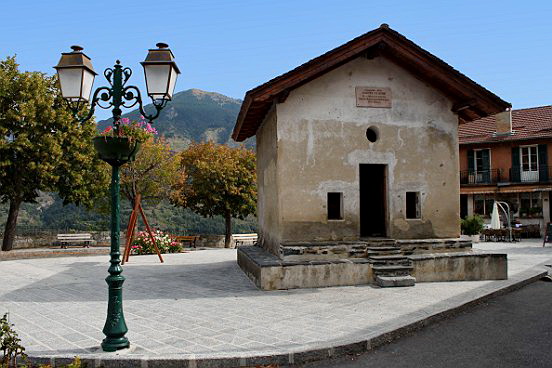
535, 211
121, 144
472, 227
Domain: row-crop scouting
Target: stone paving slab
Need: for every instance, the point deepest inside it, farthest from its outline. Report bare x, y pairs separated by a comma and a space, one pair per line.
199, 310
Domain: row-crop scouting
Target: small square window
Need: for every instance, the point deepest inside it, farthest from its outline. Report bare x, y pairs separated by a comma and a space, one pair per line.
413, 205
335, 206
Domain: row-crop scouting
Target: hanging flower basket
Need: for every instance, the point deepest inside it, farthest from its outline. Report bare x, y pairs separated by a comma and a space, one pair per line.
116, 149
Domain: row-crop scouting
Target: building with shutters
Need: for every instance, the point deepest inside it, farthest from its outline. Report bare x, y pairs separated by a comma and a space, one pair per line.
506, 157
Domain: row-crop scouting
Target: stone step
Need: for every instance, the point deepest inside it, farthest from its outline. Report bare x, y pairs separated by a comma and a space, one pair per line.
392, 260
379, 245
391, 268
389, 257
394, 281
386, 248
376, 240
372, 253
390, 263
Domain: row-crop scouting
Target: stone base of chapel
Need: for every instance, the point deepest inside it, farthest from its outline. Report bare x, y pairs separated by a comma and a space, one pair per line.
380, 262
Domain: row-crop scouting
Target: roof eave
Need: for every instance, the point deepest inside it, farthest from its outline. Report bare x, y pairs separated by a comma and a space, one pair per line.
460, 87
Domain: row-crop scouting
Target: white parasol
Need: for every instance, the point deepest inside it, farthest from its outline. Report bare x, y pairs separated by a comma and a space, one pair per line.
495, 218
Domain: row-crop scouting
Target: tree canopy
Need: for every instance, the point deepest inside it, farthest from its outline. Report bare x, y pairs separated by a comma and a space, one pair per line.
215, 179
153, 172
42, 148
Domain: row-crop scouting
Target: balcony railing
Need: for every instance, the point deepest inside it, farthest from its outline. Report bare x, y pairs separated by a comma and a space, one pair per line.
481, 177
516, 175
542, 175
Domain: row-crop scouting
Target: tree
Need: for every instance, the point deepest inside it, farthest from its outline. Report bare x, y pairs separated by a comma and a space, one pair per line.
42, 148
153, 172
216, 179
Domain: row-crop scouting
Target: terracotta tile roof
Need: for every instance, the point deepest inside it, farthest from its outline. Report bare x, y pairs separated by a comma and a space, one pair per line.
531, 123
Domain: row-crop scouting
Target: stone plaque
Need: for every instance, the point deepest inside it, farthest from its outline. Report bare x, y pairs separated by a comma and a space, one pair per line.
373, 97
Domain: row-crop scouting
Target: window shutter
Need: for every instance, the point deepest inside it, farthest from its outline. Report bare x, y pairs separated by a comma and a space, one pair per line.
471, 167
515, 174
486, 175
543, 162
486, 159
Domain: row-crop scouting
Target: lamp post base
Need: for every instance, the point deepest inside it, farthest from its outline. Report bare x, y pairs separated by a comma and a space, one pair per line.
113, 344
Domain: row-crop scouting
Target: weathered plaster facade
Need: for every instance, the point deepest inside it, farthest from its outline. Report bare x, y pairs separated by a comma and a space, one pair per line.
358, 168
268, 209
314, 142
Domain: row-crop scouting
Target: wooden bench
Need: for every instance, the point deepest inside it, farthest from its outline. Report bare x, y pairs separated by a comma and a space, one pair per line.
192, 239
240, 239
74, 239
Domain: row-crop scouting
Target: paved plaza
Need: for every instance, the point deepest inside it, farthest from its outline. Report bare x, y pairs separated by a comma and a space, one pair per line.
199, 306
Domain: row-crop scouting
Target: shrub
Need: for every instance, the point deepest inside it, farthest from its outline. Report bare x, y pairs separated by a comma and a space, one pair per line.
165, 242
10, 344
472, 225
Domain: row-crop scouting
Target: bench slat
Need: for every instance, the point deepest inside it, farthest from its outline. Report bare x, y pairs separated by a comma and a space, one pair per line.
84, 238
242, 238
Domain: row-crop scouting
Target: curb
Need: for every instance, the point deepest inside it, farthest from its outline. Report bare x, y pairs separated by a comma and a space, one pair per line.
118, 360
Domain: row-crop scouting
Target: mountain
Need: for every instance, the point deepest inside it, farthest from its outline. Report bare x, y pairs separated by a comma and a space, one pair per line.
193, 115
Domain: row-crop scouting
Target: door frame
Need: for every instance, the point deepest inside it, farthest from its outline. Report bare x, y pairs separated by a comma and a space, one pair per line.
385, 200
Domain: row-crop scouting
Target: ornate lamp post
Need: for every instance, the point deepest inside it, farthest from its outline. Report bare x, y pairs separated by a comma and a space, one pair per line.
76, 77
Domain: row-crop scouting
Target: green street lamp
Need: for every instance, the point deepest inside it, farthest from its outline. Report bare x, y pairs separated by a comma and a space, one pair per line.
76, 77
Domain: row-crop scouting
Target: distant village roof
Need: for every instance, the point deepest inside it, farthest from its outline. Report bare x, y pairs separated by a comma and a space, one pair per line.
471, 100
531, 123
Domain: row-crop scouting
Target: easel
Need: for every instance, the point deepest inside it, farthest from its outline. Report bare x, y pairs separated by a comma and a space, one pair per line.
132, 225
547, 234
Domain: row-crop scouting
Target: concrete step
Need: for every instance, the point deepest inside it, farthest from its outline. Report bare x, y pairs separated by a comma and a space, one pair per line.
394, 281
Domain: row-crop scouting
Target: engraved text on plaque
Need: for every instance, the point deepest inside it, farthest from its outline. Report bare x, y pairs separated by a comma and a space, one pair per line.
373, 97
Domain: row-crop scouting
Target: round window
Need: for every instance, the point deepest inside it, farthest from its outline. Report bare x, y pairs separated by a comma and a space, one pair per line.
372, 134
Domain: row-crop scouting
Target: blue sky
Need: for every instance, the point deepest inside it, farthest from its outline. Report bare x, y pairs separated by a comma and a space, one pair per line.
232, 46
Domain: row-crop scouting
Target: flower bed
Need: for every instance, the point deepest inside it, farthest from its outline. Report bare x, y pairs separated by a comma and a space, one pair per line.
165, 242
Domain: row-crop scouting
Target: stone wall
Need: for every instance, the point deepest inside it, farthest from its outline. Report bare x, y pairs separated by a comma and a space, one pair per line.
46, 240
103, 238
459, 267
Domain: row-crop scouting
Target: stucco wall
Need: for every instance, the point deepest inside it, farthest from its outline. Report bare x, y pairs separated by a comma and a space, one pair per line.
501, 153
321, 142
267, 179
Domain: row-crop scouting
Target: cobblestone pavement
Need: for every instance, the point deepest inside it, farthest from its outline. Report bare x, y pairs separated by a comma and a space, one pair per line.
200, 304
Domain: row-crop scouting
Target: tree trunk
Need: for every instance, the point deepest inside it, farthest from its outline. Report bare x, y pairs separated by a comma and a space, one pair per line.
11, 223
228, 228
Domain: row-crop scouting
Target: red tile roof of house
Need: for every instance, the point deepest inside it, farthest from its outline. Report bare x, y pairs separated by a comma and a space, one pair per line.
531, 123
